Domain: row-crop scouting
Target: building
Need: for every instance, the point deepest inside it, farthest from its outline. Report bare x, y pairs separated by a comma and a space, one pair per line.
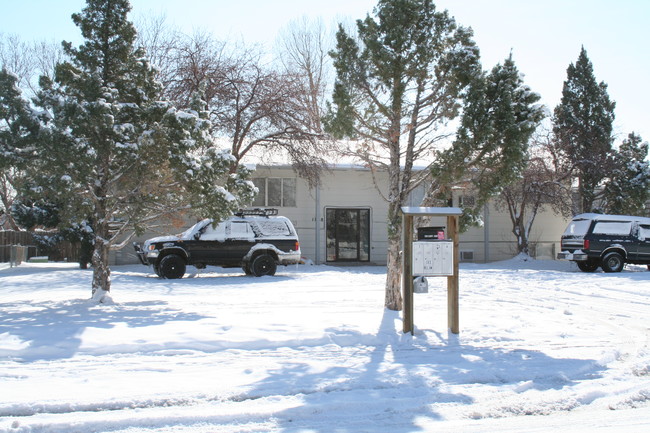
343, 221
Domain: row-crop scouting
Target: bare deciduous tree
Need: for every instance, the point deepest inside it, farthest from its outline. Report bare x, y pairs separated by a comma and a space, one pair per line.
545, 184
160, 42
303, 51
29, 60
252, 104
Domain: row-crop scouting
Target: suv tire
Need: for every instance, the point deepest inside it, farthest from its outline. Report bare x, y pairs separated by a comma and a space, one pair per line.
588, 266
613, 262
172, 267
262, 265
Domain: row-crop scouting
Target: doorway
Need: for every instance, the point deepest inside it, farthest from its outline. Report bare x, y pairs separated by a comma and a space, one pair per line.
348, 234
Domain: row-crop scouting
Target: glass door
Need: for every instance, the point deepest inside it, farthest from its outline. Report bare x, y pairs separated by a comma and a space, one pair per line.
348, 235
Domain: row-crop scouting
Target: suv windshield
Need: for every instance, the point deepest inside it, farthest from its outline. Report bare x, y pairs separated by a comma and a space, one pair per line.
577, 227
189, 233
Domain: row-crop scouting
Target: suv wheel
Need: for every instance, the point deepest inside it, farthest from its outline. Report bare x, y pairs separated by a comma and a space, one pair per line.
613, 262
588, 266
263, 264
172, 267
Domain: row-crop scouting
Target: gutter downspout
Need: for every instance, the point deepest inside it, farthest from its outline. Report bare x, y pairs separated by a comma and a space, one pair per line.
317, 227
486, 233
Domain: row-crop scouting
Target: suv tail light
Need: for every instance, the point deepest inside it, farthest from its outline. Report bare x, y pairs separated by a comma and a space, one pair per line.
297, 246
586, 244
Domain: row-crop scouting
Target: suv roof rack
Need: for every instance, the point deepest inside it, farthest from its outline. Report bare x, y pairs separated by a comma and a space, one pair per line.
257, 212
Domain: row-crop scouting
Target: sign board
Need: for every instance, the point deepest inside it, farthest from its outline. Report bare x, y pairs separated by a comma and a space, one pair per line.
452, 214
433, 259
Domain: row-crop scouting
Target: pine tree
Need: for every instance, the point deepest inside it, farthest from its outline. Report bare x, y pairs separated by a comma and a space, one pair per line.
628, 189
115, 151
397, 84
582, 125
490, 149
18, 124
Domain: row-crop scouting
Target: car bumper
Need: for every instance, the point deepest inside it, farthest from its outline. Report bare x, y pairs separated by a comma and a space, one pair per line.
292, 258
577, 256
146, 258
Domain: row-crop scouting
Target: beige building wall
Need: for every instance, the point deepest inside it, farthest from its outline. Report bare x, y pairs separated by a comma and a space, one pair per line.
353, 187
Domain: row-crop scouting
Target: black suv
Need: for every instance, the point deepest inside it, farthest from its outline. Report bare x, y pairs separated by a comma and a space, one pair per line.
607, 241
257, 240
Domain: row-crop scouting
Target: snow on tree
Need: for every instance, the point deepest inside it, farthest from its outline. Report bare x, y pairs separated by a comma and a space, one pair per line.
399, 80
18, 124
490, 149
412, 71
118, 154
628, 188
582, 124
251, 103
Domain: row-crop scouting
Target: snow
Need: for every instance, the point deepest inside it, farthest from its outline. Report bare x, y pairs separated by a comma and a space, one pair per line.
542, 346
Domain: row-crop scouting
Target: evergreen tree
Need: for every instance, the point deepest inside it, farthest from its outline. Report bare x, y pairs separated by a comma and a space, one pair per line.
118, 154
491, 146
628, 189
397, 84
18, 124
582, 125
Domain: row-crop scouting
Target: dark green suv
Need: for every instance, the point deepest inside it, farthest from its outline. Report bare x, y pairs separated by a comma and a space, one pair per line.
606, 241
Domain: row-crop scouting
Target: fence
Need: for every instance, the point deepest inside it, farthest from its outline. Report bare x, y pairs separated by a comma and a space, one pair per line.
16, 245
9, 243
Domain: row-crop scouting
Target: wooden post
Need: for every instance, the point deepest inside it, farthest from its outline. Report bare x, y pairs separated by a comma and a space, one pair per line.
452, 215
452, 281
407, 273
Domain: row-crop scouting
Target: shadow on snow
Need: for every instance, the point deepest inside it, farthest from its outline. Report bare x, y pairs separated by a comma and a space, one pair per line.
52, 330
406, 375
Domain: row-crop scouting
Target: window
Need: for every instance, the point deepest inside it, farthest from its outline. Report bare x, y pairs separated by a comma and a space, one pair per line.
577, 227
210, 233
241, 230
467, 256
275, 191
273, 228
466, 201
612, 228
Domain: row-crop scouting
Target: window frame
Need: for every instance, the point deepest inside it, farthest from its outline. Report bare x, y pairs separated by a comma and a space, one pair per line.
291, 201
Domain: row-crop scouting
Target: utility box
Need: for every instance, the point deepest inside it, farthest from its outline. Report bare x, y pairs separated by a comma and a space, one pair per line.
433, 258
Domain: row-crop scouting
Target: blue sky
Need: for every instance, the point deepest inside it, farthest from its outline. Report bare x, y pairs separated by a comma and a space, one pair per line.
544, 36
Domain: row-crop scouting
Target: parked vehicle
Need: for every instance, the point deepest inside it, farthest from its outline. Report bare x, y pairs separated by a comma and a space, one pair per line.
256, 240
606, 241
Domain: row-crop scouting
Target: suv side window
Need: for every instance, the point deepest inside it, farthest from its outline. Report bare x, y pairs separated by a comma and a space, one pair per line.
273, 228
217, 233
644, 232
613, 228
241, 230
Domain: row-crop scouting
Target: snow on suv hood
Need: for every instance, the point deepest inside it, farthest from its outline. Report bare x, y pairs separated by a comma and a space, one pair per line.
187, 234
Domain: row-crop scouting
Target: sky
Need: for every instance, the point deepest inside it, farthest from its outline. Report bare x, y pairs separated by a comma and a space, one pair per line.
544, 37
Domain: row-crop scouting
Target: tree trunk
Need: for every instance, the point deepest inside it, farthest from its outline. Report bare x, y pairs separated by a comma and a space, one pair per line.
522, 237
101, 285
393, 299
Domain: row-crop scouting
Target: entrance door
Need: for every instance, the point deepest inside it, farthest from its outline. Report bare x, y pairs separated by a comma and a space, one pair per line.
348, 235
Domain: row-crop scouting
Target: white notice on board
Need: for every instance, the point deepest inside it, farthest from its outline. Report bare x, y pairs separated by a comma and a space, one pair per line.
431, 259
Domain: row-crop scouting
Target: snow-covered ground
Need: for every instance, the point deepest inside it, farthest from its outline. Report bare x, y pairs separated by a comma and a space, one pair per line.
542, 347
